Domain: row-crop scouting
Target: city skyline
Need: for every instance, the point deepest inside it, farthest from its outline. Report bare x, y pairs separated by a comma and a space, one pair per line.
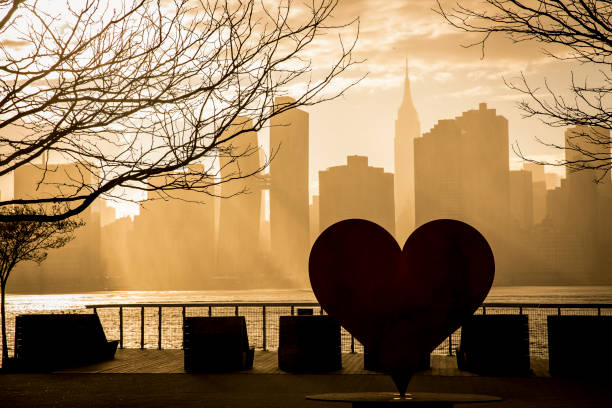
461, 171
130, 208
446, 79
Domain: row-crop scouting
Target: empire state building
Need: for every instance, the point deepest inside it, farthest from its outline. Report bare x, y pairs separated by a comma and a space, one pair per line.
407, 128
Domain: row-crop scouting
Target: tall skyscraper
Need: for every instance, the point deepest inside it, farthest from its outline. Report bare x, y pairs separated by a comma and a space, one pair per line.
289, 203
239, 249
356, 190
407, 128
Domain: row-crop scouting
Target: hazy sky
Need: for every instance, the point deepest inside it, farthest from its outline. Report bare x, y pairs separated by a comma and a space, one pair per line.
447, 79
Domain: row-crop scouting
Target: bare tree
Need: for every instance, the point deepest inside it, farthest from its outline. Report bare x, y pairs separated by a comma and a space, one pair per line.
137, 95
28, 241
573, 31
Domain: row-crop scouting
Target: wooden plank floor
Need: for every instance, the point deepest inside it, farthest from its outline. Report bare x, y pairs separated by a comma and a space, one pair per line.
266, 362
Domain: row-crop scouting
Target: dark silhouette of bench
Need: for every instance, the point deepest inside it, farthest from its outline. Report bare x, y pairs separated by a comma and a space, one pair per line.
371, 361
309, 344
46, 342
579, 346
216, 344
496, 345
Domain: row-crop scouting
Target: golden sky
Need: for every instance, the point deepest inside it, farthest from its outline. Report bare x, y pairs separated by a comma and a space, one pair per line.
447, 79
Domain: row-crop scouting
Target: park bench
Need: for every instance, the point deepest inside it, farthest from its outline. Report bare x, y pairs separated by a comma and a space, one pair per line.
47, 342
216, 344
496, 345
309, 344
579, 346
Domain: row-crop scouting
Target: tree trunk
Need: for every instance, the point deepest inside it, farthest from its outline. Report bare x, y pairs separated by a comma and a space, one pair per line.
3, 312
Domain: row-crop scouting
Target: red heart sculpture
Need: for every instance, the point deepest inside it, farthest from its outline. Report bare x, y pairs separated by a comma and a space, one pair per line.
400, 304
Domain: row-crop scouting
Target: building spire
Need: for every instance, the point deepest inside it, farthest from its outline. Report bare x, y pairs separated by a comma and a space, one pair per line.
407, 97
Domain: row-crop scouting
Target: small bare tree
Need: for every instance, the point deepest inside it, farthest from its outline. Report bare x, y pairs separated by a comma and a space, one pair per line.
572, 31
138, 92
28, 241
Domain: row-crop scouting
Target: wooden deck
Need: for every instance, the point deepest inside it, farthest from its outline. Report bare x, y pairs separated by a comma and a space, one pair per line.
266, 362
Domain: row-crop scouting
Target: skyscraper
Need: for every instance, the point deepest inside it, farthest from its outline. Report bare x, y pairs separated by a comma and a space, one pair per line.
239, 241
407, 128
289, 204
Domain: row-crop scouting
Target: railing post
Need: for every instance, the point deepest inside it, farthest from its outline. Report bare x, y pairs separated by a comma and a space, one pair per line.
141, 327
95, 310
484, 310
236, 310
209, 311
352, 344
292, 310
599, 311
520, 310
183, 312
159, 328
120, 327
263, 326
558, 311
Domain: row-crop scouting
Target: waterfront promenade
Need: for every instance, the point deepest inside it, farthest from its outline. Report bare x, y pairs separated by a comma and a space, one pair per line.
155, 378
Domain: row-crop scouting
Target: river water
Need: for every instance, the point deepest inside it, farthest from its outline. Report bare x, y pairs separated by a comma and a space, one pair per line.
172, 318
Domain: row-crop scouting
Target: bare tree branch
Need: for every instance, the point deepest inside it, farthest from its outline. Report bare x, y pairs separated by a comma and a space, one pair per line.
573, 30
135, 95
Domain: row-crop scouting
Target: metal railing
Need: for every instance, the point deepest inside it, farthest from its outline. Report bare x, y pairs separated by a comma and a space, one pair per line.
159, 325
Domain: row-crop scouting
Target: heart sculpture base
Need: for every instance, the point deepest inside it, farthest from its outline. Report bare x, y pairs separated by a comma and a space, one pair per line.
412, 400
401, 303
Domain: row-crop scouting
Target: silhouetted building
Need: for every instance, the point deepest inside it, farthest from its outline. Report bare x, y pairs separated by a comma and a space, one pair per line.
521, 198
239, 252
289, 208
582, 191
108, 214
538, 190
461, 169
314, 219
462, 172
573, 240
172, 244
553, 180
117, 244
76, 266
356, 191
407, 128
